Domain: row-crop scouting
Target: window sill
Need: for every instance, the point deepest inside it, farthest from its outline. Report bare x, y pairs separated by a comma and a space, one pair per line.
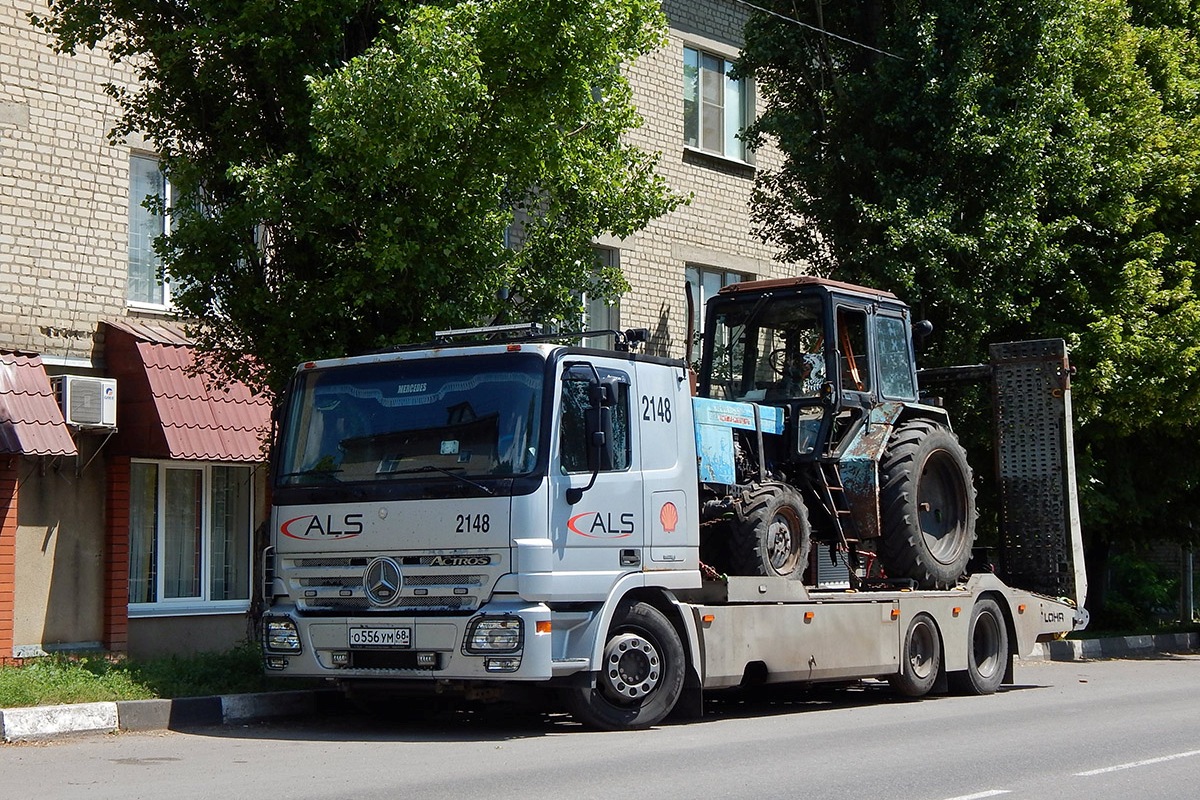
188, 609
694, 155
149, 308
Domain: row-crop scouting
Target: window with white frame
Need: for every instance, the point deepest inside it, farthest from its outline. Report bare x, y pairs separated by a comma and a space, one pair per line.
146, 180
706, 282
600, 314
189, 536
715, 106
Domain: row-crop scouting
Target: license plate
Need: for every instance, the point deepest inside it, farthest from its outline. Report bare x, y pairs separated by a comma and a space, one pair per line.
381, 637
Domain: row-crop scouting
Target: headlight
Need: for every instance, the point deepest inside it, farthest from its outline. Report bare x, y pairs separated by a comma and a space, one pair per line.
493, 635
281, 636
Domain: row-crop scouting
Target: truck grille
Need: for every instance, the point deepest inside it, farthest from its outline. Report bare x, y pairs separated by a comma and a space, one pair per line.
335, 584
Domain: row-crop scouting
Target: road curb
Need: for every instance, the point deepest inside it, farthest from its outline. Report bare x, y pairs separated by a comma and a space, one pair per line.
47, 722
1115, 647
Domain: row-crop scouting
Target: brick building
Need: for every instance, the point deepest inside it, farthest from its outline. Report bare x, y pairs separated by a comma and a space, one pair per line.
128, 523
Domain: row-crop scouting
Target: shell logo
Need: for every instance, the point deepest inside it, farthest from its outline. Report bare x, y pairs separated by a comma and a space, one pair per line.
668, 515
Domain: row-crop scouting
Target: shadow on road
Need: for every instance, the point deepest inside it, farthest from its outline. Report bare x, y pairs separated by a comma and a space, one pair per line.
448, 720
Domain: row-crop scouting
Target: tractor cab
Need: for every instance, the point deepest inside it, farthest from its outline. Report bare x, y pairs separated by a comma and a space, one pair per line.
826, 352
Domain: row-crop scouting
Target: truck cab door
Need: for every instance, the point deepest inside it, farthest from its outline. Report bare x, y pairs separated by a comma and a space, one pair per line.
597, 520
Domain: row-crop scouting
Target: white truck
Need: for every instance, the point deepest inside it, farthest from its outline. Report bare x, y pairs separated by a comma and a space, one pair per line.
475, 515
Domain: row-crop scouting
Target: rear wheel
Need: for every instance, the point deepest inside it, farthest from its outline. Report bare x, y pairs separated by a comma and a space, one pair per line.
771, 535
642, 674
987, 650
927, 505
921, 658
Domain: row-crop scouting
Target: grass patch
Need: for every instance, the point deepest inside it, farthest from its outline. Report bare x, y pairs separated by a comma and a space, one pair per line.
58, 679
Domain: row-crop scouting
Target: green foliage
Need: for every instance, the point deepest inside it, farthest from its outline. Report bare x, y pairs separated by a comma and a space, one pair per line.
1139, 595
345, 174
58, 679
1015, 171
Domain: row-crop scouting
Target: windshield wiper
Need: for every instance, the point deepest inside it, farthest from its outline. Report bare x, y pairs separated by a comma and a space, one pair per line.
443, 470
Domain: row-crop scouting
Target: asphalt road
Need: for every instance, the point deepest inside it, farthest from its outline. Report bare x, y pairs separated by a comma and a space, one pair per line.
1095, 730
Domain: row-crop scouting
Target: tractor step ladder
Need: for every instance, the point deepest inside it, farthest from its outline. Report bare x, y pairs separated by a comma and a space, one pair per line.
833, 495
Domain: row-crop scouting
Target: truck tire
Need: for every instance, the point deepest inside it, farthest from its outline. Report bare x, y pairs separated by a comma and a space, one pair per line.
642, 676
920, 658
927, 505
771, 535
987, 651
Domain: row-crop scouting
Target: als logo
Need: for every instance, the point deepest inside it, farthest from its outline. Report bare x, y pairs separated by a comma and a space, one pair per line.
598, 525
313, 526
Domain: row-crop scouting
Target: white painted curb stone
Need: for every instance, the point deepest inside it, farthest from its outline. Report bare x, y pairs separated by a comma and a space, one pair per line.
40, 722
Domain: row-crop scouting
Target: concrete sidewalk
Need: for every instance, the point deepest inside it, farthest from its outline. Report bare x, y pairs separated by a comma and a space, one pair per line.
45, 722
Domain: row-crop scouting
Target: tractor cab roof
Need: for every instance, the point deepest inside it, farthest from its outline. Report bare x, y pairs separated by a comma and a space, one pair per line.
801, 282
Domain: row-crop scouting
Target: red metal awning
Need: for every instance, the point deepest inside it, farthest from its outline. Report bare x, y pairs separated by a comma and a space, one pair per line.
166, 410
31, 422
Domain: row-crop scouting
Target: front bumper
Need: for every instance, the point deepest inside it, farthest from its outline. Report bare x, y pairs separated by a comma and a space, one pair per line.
504, 639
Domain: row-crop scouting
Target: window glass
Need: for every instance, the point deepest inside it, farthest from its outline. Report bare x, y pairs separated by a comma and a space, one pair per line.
705, 283
410, 420
691, 97
714, 104
189, 534
145, 180
574, 453
767, 352
143, 525
229, 505
181, 534
852, 346
599, 314
895, 366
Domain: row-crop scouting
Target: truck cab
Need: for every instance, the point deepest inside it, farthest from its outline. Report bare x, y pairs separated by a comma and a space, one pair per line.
435, 509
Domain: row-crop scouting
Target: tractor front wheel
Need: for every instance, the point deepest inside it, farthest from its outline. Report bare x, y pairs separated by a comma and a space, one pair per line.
771, 535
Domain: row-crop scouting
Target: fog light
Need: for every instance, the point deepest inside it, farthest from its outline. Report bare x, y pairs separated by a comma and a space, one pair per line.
427, 660
502, 664
281, 636
493, 635
276, 662
340, 658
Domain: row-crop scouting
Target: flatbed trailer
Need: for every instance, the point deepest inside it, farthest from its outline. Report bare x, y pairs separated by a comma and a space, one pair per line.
754, 630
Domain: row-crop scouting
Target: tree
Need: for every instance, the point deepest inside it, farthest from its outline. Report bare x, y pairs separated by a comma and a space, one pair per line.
1015, 171
349, 175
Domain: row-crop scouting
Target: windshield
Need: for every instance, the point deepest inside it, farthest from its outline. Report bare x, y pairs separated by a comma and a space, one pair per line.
400, 420
769, 348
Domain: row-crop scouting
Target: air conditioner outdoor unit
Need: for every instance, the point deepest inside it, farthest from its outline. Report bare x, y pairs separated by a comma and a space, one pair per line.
87, 402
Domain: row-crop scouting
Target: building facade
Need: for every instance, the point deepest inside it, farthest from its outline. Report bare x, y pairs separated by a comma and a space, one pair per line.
131, 493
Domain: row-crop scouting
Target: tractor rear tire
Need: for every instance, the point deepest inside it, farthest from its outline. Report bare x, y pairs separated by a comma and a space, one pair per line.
771, 535
927, 505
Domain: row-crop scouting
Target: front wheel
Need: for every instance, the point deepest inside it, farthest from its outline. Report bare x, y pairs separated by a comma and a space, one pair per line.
641, 677
987, 650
